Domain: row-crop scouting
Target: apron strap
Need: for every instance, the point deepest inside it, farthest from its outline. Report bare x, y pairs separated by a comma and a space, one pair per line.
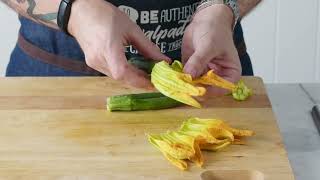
53, 59
241, 48
74, 65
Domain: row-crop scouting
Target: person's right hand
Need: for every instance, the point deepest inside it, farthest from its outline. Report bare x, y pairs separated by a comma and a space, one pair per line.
103, 31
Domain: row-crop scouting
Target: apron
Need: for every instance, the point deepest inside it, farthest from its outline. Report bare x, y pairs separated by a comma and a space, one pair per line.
43, 51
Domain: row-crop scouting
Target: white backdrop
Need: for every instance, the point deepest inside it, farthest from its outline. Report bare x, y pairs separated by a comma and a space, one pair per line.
8, 35
283, 39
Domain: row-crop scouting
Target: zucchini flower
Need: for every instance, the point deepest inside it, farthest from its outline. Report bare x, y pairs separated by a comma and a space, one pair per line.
170, 81
195, 135
178, 147
239, 91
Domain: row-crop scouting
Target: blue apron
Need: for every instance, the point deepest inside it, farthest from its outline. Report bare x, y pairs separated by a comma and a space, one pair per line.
43, 51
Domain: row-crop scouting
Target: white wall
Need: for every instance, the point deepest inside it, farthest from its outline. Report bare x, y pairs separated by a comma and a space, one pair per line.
8, 35
283, 39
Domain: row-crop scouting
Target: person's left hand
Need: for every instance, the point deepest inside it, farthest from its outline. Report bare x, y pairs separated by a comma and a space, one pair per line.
208, 44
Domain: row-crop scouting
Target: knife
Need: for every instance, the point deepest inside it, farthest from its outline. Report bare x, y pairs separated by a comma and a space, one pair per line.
316, 116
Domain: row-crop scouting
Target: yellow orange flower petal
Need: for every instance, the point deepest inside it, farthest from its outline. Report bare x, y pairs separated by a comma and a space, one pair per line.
195, 135
175, 84
215, 147
212, 79
181, 164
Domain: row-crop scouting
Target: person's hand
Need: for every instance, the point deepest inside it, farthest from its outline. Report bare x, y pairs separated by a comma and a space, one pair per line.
103, 31
208, 44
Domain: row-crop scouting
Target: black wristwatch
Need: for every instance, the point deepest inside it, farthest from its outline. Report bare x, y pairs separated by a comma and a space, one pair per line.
64, 15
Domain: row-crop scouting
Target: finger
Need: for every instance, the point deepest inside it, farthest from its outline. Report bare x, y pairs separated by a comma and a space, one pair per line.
138, 78
186, 53
121, 70
146, 47
229, 67
198, 61
213, 90
229, 73
215, 67
186, 48
104, 69
98, 64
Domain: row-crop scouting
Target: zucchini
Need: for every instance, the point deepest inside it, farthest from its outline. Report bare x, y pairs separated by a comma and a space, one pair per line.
142, 64
137, 102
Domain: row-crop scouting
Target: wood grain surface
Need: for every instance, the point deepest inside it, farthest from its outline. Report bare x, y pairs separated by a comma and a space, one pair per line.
58, 128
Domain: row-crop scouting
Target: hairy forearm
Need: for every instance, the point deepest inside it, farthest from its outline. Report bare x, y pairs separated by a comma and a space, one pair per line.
44, 12
247, 5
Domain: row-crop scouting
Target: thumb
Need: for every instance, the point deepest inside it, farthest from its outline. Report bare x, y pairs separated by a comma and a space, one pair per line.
197, 63
146, 47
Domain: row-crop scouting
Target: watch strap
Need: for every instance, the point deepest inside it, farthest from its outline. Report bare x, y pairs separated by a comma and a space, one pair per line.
232, 4
64, 15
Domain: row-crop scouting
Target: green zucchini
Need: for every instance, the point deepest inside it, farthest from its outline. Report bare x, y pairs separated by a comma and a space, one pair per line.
138, 102
142, 63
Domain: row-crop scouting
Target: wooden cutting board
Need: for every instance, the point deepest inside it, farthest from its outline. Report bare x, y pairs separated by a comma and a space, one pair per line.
58, 128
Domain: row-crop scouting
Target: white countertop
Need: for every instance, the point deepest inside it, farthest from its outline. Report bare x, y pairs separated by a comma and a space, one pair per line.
292, 104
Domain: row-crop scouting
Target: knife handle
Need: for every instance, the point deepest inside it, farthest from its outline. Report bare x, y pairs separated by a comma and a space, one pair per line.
316, 116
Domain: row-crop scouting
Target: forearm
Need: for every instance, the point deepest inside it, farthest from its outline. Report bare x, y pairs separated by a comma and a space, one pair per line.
246, 6
44, 12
